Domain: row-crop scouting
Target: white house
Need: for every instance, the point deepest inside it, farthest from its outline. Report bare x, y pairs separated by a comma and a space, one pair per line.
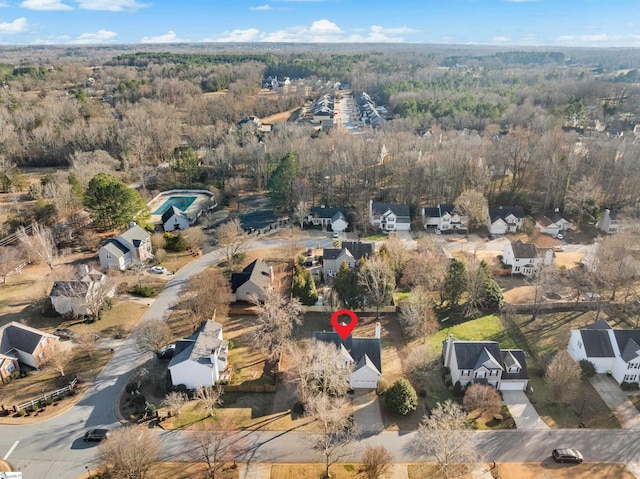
505, 219
75, 297
200, 360
526, 258
484, 362
611, 222
553, 223
329, 218
254, 280
362, 353
175, 219
389, 216
132, 245
350, 252
443, 217
610, 350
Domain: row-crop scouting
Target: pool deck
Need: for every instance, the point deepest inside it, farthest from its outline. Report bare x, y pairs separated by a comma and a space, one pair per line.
202, 202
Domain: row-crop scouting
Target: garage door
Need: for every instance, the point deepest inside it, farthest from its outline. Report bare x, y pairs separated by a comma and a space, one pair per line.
512, 385
364, 384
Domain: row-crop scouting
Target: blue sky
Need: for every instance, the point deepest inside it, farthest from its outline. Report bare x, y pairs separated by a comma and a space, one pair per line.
588, 23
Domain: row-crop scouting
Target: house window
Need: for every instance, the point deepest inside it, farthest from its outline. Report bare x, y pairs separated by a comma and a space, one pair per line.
108, 256
514, 369
481, 374
44, 342
579, 344
10, 368
630, 377
41, 356
517, 269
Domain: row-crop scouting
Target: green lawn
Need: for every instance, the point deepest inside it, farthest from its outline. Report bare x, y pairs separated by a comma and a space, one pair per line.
486, 328
375, 237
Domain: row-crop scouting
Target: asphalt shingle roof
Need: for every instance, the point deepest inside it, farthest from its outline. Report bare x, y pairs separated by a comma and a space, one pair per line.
518, 355
439, 211
597, 343
524, 250
398, 210
198, 347
357, 347
504, 211
358, 249
319, 212
257, 271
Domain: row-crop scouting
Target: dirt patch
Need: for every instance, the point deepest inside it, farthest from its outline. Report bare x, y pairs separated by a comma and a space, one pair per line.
314, 471
550, 470
188, 470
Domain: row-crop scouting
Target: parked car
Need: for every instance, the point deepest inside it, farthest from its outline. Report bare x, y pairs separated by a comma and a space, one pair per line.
559, 236
159, 269
63, 333
438, 232
167, 352
96, 435
567, 455
492, 236
309, 252
335, 234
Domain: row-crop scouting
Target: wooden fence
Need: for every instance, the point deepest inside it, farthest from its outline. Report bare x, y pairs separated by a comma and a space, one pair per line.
54, 395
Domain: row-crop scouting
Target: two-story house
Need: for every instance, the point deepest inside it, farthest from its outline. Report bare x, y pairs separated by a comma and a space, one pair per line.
526, 258
329, 218
24, 347
484, 362
389, 216
76, 297
350, 252
505, 219
443, 217
132, 245
553, 223
253, 281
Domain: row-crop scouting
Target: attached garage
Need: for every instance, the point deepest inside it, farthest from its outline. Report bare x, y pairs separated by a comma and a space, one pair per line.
516, 385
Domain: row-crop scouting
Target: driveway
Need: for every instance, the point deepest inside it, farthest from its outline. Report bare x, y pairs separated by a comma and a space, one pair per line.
616, 400
366, 412
523, 412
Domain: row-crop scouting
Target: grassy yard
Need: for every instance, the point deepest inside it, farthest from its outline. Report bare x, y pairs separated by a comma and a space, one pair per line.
315, 471
375, 237
486, 328
187, 470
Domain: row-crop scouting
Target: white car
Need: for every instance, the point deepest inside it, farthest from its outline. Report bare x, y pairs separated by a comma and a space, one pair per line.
559, 236
159, 269
438, 232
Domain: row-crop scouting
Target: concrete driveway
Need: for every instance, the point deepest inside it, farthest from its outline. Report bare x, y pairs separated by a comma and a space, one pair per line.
366, 412
523, 412
616, 400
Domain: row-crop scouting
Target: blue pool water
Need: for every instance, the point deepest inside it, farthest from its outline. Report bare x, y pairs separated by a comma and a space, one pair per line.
180, 202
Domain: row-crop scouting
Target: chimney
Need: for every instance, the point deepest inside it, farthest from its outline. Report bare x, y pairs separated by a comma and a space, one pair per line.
377, 335
213, 356
271, 273
132, 224
84, 269
449, 351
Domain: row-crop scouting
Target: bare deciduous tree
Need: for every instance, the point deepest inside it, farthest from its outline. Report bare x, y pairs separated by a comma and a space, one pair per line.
87, 338
10, 258
100, 292
194, 237
209, 397
158, 241
276, 317
376, 462
130, 452
152, 334
217, 444
40, 244
175, 400
482, 396
378, 282
475, 285
473, 205
300, 212
544, 280
443, 435
417, 317
289, 247
563, 378
398, 254
231, 239
207, 292
61, 359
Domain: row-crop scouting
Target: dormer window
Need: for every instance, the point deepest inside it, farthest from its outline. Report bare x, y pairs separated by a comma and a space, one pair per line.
514, 369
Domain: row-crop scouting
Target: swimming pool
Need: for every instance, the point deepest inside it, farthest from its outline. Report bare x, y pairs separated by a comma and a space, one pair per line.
180, 202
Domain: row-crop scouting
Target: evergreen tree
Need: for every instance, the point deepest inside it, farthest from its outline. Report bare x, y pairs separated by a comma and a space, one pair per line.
493, 293
454, 284
112, 203
184, 162
401, 398
310, 294
345, 284
280, 183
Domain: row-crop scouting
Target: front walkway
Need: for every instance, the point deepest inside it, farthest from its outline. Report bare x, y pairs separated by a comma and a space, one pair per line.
616, 400
523, 412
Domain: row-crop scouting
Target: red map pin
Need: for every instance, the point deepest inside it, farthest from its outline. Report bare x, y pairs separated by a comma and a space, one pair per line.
344, 330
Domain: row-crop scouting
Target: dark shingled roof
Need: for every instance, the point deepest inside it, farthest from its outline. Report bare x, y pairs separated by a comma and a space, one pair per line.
70, 289
166, 216
23, 338
331, 253
504, 211
319, 212
599, 324
468, 352
116, 244
596, 343
524, 250
398, 210
357, 347
508, 356
439, 211
628, 341
358, 249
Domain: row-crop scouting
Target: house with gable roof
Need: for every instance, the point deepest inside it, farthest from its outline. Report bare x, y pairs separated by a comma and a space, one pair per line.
132, 245
553, 223
254, 279
610, 350
505, 219
526, 258
23, 347
363, 353
201, 359
174, 219
389, 216
329, 218
443, 217
74, 297
485, 363
349, 252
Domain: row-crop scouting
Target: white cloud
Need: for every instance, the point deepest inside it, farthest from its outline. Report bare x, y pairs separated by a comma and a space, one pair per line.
19, 25
599, 40
261, 8
111, 5
3, 4
320, 31
101, 36
500, 39
45, 5
169, 37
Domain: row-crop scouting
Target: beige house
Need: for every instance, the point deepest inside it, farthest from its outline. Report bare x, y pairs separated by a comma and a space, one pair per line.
76, 297
132, 245
254, 280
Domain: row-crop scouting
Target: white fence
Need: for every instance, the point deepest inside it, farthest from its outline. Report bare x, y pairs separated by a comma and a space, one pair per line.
54, 395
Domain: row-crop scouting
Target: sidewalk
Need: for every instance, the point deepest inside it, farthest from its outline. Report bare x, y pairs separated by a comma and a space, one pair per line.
616, 400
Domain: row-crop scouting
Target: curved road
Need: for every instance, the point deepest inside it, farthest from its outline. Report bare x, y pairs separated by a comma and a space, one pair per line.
54, 448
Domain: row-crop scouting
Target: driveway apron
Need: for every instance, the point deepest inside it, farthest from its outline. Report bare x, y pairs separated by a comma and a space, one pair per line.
616, 400
523, 412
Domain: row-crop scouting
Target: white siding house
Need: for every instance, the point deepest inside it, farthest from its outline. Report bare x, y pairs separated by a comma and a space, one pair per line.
505, 219
132, 245
526, 258
175, 219
443, 217
389, 216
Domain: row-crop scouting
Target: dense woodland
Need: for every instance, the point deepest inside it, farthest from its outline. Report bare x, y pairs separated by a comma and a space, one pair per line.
558, 122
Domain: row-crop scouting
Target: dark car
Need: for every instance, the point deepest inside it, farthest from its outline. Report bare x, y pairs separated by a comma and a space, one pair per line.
492, 236
167, 352
567, 455
96, 435
63, 333
310, 252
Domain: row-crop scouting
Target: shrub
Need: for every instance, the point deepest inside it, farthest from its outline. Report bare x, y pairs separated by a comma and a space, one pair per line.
22, 413
144, 291
139, 399
34, 407
626, 386
382, 386
131, 388
175, 243
422, 393
239, 257
401, 398
588, 368
457, 390
151, 409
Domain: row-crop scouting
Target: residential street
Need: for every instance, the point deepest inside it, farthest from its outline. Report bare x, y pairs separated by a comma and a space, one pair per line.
54, 448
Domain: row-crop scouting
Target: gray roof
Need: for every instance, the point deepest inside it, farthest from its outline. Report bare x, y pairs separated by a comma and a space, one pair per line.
504, 211
358, 249
23, 338
398, 210
358, 348
468, 353
508, 358
167, 215
628, 341
319, 212
524, 250
135, 235
115, 248
597, 343
331, 253
198, 347
439, 211
599, 324
257, 271
70, 289
630, 351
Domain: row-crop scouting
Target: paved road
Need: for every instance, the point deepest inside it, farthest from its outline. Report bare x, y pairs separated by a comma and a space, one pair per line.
53, 448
